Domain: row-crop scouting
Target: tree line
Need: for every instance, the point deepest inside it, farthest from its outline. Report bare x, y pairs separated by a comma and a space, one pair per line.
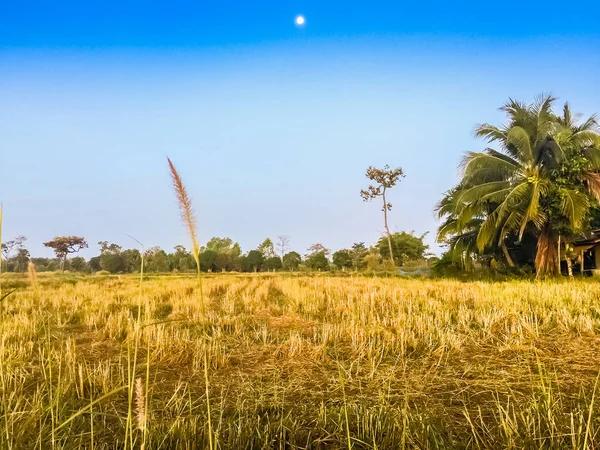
220, 254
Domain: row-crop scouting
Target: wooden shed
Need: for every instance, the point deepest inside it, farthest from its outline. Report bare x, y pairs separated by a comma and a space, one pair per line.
587, 250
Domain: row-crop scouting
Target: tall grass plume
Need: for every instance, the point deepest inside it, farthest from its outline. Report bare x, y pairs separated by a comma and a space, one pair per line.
32, 274
186, 210
189, 220
140, 405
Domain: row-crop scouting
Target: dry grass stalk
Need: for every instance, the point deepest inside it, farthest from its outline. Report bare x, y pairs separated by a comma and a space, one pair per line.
187, 215
186, 209
140, 405
32, 274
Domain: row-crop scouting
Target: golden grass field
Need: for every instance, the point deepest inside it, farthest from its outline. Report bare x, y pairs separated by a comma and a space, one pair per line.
295, 362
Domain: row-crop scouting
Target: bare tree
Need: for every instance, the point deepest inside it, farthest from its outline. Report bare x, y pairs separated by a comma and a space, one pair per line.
384, 179
9, 246
318, 248
65, 245
282, 244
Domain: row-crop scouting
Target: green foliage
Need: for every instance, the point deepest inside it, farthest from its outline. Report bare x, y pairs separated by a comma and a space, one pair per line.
157, 261
132, 260
224, 245
207, 260
317, 261
93, 263
291, 261
342, 259
273, 263
406, 247
359, 252
111, 258
255, 260
78, 264
372, 262
227, 254
267, 248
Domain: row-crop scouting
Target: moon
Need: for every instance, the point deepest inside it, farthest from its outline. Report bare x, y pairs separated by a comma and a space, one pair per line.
300, 20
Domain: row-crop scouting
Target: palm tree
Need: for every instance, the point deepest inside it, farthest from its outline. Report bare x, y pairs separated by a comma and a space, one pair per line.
460, 227
539, 179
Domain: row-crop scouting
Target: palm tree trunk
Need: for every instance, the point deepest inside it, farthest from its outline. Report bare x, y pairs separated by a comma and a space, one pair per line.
570, 267
389, 236
546, 256
509, 260
558, 258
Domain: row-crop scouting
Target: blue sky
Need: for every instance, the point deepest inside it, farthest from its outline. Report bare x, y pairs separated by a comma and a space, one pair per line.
271, 126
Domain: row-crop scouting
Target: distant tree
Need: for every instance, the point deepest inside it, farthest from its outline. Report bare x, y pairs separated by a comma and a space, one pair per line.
266, 248
255, 260
66, 245
273, 263
181, 259
342, 259
358, 253
111, 257
158, 261
282, 244
372, 261
207, 260
241, 264
291, 261
46, 264
132, 260
384, 179
14, 244
21, 260
93, 263
406, 247
317, 261
316, 257
317, 248
222, 262
224, 245
78, 264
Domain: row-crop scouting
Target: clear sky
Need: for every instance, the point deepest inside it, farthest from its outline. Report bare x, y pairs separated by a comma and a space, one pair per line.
271, 126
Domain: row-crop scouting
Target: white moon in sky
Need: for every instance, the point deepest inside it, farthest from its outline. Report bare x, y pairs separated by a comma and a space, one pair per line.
300, 20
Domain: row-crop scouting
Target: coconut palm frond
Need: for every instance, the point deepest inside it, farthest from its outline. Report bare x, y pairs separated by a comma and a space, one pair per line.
574, 206
479, 164
592, 182
482, 191
518, 137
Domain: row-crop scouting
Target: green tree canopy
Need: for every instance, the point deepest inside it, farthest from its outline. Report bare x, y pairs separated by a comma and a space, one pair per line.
207, 260
317, 261
255, 260
343, 258
273, 263
224, 245
291, 261
66, 245
359, 252
406, 247
78, 264
267, 248
111, 257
